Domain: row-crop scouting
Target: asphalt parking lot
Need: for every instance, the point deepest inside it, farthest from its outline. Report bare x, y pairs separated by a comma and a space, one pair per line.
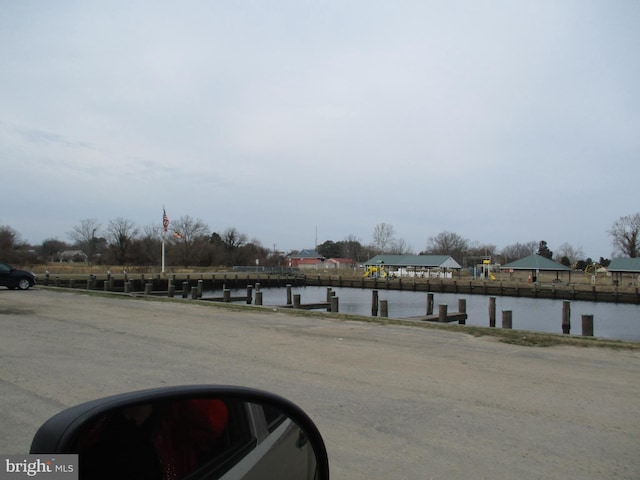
390, 401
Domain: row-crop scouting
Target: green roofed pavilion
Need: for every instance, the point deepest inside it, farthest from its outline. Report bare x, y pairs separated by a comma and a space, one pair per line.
624, 265
438, 266
537, 263
426, 261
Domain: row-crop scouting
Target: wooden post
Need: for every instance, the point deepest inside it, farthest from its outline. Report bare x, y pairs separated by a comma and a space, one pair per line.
185, 289
289, 300
258, 298
334, 304
492, 311
384, 308
429, 303
442, 312
226, 295
566, 317
249, 294
462, 308
587, 325
199, 291
507, 319
462, 305
296, 300
328, 294
374, 303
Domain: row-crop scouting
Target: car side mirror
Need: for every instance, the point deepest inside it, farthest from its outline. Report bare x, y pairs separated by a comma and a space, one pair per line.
188, 432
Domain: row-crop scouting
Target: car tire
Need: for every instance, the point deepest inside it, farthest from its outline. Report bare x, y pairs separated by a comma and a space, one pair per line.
24, 284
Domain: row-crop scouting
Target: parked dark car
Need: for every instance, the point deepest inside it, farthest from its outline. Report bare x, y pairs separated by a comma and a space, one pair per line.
13, 278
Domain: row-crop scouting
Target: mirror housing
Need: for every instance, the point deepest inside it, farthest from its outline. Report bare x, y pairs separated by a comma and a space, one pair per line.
291, 441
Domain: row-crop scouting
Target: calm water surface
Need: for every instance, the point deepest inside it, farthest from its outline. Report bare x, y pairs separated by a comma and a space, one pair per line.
615, 321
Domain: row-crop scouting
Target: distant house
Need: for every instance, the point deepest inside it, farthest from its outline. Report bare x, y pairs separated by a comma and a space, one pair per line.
311, 259
303, 258
339, 263
438, 266
73, 256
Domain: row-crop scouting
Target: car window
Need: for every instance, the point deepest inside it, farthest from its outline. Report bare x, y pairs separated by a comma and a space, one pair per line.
238, 441
274, 417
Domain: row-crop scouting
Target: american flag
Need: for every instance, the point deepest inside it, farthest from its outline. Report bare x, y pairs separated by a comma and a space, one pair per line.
165, 220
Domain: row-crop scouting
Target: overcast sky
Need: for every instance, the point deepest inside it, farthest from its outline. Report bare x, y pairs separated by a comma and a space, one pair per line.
501, 121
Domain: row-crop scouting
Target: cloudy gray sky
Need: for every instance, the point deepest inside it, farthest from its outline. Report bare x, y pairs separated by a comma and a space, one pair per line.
502, 121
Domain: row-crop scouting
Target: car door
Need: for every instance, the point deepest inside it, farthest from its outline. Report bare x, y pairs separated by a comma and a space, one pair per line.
5, 271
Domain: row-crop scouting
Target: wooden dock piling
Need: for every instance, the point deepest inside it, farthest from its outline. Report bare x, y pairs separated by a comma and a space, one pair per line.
507, 319
587, 325
566, 317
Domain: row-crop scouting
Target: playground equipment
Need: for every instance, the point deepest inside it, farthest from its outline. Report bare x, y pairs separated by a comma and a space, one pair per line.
594, 272
378, 272
486, 269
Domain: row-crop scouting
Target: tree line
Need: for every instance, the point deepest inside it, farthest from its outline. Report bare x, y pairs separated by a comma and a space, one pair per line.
190, 242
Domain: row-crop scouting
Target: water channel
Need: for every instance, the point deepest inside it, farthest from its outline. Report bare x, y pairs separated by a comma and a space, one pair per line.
611, 320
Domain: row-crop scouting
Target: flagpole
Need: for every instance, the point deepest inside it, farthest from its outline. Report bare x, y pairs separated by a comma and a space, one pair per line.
165, 226
163, 253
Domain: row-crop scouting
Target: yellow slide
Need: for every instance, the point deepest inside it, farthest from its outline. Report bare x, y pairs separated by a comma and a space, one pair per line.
375, 272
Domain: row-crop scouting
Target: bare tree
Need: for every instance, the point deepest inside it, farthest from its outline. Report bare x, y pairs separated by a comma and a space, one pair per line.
189, 235
383, 235
625, 235
86, 236
10, 244
232, 240
51, 248
121, 233
568, 253
352, 248
516, 251
399, 246
146, 249
448, 243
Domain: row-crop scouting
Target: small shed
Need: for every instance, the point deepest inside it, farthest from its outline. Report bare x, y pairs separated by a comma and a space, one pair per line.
536, 264
440, 266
